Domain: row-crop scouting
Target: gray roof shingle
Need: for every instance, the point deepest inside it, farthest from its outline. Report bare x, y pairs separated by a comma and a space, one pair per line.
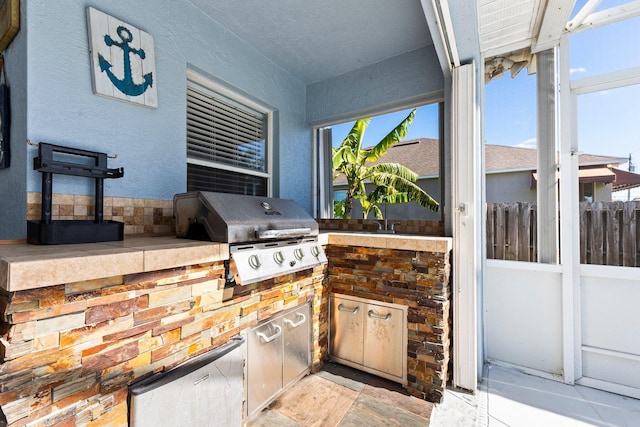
421, 156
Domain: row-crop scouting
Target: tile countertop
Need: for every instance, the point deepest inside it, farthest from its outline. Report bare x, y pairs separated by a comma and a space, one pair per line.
24, 266
406, 242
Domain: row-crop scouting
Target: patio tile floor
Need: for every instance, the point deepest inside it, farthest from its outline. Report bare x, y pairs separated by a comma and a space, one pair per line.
509, 397
341, 396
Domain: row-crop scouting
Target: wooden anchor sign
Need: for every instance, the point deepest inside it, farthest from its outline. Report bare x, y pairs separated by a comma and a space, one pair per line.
122, 60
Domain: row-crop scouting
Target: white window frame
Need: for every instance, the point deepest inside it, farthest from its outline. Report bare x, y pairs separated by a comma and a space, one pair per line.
217, 88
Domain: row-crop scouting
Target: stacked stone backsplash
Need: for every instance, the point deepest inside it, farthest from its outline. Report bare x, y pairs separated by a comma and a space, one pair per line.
419, 280
70, 351
140, 216
404, 226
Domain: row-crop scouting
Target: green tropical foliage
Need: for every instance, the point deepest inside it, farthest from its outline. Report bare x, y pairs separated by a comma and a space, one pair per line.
393, 182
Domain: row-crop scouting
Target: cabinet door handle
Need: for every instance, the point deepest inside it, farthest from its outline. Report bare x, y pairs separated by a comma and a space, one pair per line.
272, 337
350, 310
293, 324
375, 316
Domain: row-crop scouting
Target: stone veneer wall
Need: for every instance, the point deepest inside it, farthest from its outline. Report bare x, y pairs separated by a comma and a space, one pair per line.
420, 227
419, 280
140, 216
70, 351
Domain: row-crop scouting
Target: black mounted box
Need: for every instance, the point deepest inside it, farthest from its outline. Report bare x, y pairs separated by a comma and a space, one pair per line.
58, 232
63, 232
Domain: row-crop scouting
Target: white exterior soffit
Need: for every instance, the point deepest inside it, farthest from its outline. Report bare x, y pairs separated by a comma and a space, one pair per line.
511, 32
507, 26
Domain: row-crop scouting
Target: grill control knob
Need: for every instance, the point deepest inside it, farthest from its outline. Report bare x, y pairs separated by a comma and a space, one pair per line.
299, 253
254, 262
315, 251
278, 257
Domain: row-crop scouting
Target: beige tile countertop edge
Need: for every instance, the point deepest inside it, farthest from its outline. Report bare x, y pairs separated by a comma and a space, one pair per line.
24, 266
388, 241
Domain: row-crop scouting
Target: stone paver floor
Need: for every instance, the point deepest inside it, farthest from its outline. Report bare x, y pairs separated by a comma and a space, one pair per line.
341, 396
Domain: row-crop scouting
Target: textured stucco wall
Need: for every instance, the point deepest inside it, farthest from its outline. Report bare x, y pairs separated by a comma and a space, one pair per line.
13, 195
150, 143
510, 187
410, 79
55, 103
602, 192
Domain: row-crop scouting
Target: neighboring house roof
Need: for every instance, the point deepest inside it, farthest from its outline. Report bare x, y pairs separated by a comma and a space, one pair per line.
505, 158
419, 155
422, 156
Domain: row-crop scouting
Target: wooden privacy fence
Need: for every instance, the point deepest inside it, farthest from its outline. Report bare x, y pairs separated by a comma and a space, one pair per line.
609, 232
511, 231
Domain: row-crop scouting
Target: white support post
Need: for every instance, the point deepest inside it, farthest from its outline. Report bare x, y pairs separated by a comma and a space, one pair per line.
570, 225
322, 174
547, 185
465, 168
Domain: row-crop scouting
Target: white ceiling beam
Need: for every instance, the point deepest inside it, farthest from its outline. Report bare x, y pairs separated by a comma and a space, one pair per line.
610, 16
439, 21
582, 14
554, 22
445, 14
612, 80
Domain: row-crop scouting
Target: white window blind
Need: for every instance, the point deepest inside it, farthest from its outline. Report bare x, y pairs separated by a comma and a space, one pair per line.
226, 144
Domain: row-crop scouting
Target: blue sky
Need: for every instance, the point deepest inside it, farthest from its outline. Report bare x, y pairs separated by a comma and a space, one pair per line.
609, 121
424, 125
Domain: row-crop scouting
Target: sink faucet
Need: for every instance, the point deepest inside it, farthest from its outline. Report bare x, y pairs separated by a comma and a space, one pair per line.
386, 229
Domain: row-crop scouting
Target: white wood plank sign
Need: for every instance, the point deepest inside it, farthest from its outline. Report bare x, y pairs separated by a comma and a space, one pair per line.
123, 61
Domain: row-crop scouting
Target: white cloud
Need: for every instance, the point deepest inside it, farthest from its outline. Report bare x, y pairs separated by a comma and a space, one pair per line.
577, 70
529, 143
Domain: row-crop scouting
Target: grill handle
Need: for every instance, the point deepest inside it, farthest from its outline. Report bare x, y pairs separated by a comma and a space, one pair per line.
281, 234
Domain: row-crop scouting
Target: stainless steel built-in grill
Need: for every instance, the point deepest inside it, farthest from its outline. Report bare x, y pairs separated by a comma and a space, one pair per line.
268, 237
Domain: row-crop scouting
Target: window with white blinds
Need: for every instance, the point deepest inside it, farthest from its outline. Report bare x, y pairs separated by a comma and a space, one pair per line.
227, 143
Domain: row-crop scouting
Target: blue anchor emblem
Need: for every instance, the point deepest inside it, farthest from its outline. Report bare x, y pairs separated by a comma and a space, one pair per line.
126, 85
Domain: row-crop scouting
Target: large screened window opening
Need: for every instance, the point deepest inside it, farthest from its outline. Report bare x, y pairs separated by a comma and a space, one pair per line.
605, 83
419, 151
511, 164
227, 141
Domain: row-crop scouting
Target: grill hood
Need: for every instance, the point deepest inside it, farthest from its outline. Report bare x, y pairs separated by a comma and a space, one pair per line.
234, 218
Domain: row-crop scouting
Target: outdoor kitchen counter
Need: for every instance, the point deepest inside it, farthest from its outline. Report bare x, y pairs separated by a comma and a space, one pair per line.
24, 266
388, 241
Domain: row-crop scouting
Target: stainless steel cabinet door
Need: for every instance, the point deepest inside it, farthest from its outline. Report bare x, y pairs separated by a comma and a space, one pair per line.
383, 339
347, 333
264, 363
296, 344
